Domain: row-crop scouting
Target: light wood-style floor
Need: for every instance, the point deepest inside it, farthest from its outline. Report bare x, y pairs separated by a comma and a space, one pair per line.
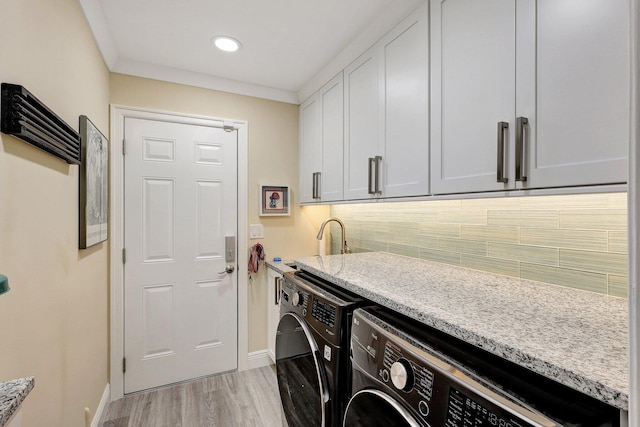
248, 398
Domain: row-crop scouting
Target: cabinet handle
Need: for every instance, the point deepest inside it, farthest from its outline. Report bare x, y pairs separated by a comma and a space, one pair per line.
315, 192
521, 133
370, 189
278, 287
502, 130
378, 160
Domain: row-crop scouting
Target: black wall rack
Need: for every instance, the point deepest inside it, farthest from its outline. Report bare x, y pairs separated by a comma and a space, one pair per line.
27, 118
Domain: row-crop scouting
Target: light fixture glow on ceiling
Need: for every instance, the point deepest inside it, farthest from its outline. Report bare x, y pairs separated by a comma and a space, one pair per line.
226, 44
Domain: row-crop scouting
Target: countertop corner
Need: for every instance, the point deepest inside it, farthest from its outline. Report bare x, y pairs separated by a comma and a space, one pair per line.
280, 266
12, 394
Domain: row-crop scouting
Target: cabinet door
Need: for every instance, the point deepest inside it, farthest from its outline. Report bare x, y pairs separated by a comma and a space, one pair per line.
576, 75
273, 311
332, 106
405, 70
361, 118
310, 147
473, 89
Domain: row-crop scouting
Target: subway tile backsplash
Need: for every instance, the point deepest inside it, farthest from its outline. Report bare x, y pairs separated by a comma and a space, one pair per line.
579, 241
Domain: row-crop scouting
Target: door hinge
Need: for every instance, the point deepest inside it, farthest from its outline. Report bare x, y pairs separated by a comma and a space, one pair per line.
124, 365
228, 126
124, 147
124, 255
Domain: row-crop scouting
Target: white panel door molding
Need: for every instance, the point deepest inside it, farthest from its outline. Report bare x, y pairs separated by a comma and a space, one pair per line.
182, 314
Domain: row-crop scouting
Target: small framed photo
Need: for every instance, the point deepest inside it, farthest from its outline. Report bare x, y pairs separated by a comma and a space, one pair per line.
94, 178
274, 200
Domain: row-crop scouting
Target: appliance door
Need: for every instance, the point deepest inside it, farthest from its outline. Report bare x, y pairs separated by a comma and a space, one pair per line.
373, 408
301, 377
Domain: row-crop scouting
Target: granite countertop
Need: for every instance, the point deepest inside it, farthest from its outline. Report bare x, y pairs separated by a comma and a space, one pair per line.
575, 337
12, 394
280, 266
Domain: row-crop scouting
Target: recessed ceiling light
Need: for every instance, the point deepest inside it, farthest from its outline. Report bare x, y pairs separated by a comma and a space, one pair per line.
228, 44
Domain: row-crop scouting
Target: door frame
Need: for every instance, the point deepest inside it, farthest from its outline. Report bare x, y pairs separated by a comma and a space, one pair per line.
118, 114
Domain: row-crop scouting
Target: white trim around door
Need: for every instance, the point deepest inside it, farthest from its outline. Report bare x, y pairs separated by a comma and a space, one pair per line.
116, 231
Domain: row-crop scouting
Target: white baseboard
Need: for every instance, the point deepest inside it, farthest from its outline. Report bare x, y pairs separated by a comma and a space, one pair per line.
259, 359
106, 397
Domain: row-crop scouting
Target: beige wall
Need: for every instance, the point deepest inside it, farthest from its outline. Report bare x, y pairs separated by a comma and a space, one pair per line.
54, 319
273, 160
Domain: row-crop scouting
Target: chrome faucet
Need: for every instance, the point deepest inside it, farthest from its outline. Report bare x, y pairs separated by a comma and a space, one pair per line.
343, 242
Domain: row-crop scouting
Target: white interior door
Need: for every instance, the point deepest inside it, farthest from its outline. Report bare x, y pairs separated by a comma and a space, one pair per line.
180, 200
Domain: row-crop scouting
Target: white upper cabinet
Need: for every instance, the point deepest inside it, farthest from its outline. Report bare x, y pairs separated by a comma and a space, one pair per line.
386, 111
528, 94
404, 61
321, 147
473, 89
575, 87
310, 149
362, 113
332, 101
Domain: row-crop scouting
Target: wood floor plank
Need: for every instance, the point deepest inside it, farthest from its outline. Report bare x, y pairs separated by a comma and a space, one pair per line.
235, 399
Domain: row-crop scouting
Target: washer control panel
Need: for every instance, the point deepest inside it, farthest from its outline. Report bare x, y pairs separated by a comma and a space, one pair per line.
324, 312
391, 364
422, 380
419, 379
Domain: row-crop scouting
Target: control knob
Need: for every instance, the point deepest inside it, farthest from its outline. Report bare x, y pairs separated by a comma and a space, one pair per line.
296, 298
402, 375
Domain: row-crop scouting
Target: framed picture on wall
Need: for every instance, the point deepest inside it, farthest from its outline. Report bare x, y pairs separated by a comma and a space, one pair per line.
94, 178
274, 200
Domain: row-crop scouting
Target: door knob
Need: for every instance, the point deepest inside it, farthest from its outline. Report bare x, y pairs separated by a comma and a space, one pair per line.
228, 269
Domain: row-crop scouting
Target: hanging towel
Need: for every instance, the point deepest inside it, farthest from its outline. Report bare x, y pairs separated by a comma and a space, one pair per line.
256, 256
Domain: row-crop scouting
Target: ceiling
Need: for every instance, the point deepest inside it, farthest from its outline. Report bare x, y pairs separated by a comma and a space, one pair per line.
286, 44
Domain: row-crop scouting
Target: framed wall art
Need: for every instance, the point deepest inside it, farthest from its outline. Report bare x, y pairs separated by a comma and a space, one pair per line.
94, 178
274, 200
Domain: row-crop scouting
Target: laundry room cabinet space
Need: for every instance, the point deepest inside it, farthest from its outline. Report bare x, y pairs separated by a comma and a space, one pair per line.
321, 144
386, 143
273, 310
528, 94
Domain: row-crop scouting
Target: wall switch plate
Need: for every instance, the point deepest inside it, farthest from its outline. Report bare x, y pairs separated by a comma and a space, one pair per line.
256, 231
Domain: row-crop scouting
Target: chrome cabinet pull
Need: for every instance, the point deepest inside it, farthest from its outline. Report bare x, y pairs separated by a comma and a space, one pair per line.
521, 132
315, 192
503, 127
370, 188
378, 160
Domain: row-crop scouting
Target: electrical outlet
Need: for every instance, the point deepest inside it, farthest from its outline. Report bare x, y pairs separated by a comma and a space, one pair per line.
256, 231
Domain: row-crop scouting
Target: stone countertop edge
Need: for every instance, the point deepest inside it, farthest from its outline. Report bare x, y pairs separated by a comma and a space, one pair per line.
12, 394
280, 266
574, 337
